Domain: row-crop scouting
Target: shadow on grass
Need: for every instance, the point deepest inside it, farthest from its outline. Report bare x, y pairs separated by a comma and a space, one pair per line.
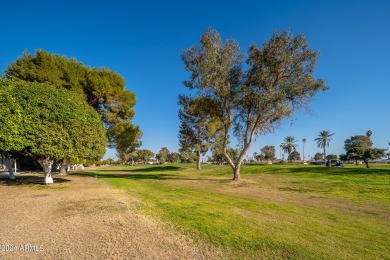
342, 171
147, 169
135, 176
351, 170
141, 176
30, 180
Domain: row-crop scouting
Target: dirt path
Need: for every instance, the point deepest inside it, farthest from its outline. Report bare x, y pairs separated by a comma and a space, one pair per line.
84, 218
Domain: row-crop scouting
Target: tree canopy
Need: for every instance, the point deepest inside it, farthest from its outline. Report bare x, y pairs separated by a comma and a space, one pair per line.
268, 152
144, 155
199, 124
289, 146
126, 139
323, 140
295, 155
45, 122
163, 155
359, 147
102, 88
318, 156
279, 79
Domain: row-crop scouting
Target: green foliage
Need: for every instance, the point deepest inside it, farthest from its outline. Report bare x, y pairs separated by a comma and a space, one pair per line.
295, 155
40, 120
268, 152
279, 80
359, 147
343, 157
323, 140
374, 153
102, 88
144, 155
187, 155
331, 157
318, 156
258, 157
289, 146
49, 68
125, 138
200, 124
358, 141
174, 157
163, 155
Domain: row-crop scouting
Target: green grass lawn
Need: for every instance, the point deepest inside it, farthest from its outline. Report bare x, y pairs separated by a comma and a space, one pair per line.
276, 211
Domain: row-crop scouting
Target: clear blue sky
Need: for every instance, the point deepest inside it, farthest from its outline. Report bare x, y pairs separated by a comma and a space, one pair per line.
142, 40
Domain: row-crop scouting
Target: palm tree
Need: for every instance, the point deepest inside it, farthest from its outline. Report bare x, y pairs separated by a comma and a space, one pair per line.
280, 151
323, 140
289, 146
303, 154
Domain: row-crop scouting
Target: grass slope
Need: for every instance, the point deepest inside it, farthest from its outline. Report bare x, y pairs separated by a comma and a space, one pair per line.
277, 211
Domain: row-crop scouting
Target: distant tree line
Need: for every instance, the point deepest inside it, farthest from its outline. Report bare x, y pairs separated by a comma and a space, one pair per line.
358, 148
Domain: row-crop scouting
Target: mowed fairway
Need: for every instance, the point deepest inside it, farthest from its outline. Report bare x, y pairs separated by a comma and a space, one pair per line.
276, 211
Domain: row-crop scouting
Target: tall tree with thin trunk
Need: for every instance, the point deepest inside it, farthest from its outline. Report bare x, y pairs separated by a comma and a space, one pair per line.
323, 140
278, 80
303, 147
200, 124
289, 146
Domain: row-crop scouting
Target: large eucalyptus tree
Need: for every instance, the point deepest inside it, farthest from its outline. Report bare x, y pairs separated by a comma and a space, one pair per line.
278, 80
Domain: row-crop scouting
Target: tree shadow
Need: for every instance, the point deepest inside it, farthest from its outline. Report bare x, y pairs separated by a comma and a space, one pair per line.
30, 180
344, 171
135, 176
147, 169
141, 176
332, 170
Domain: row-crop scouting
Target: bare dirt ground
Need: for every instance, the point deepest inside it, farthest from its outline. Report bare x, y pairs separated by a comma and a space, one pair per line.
84, 218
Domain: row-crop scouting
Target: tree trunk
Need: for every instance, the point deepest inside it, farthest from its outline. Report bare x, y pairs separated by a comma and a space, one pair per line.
324, 156
9, 162
64, 166
237, 176
198, 167
132, 162
237, 165
47, 164
366, 162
